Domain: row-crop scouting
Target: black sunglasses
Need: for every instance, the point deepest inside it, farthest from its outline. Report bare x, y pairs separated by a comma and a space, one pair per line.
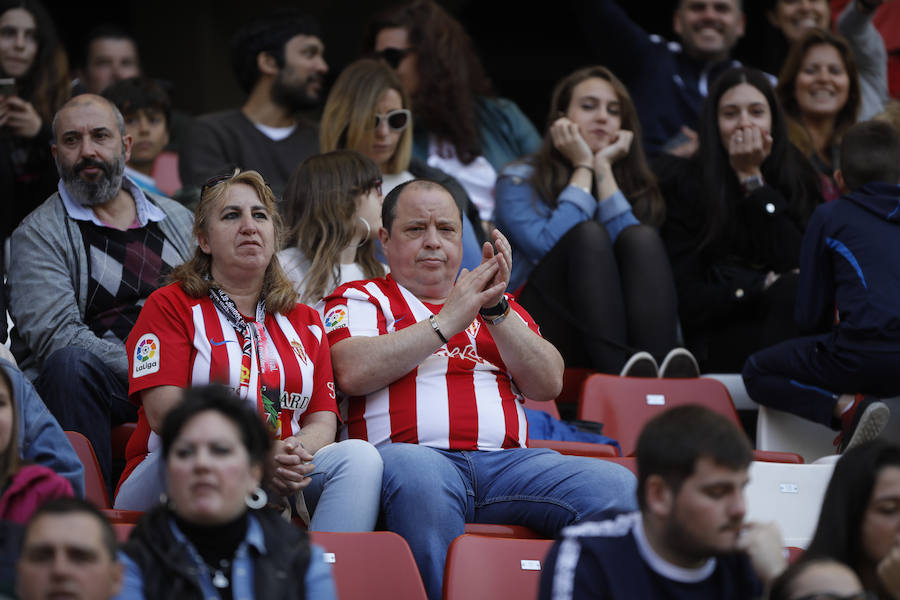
393, 56
397, 120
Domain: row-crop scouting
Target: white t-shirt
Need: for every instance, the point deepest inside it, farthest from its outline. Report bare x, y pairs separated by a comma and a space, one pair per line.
477, 178
296, 265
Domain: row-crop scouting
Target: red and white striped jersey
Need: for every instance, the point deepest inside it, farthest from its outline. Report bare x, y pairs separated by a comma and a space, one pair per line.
460, 398
183, 341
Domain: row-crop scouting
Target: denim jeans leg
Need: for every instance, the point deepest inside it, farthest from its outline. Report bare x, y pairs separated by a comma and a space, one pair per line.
547, 491
144, 486
426, 499
344, 493
86, 396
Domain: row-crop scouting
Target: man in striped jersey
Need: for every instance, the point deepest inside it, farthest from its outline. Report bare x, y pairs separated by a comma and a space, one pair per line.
689, 539
433, 368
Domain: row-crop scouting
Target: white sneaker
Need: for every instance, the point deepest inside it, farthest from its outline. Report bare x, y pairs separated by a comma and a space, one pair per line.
640, 364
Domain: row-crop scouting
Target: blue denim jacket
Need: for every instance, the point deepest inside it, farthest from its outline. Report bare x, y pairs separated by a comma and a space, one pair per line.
533, 227
41, 439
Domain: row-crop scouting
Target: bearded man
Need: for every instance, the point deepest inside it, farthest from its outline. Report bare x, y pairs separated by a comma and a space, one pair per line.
279, 63
82, 265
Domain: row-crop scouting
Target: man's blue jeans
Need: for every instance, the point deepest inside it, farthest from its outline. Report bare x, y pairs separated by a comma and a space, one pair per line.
428, 495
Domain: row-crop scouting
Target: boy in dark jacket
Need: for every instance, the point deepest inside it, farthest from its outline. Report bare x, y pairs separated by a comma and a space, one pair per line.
850, 284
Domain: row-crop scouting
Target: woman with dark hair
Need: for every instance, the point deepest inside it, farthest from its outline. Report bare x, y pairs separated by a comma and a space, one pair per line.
30, 56
214, 538
735, 218
859, 524
333, 206
581, 215
819, 90
232, 317
367, 110
462, 128
23, 487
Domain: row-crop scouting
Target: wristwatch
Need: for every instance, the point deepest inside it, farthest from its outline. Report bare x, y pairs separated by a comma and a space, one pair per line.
497, 313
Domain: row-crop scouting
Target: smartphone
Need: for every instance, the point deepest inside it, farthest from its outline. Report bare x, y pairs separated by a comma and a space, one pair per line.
8, 87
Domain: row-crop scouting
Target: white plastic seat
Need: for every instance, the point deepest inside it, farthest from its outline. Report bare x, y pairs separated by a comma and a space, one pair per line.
784, 432
790, 495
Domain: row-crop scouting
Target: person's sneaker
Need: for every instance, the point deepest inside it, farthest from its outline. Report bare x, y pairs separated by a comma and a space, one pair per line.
641, 364
679, 363
864, 422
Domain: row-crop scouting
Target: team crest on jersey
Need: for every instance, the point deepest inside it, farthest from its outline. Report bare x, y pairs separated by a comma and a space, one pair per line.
472, 329
298, 350
336, 318
146, 356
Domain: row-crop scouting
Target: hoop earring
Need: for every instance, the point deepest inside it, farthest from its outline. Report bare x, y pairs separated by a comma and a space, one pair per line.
256, 499
368, 232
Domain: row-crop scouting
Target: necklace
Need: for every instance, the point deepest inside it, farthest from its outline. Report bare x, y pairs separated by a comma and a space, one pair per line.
219, 580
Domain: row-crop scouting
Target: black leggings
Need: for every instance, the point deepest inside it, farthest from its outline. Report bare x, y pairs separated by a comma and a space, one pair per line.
599, 302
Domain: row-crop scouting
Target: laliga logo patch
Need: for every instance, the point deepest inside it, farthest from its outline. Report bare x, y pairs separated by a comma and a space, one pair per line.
473, 328
336, 318
146, 356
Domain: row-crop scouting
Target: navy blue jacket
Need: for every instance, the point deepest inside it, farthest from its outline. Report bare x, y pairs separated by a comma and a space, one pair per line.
668, 86
849, 260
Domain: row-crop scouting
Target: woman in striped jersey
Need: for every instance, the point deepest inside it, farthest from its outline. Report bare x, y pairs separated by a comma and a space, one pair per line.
232, 317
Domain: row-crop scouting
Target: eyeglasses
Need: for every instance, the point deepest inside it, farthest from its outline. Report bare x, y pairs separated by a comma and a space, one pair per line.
397, 120
393, 56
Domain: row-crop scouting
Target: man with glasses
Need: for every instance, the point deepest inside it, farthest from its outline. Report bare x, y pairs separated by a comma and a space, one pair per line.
84, 263
279, 62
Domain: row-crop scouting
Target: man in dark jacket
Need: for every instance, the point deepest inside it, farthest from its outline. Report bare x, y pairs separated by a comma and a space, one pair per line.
668, 80
849, 283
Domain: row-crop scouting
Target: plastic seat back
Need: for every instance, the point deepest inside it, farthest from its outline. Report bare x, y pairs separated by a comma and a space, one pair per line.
372, 565
625, 404
790, 495
485, 568
94, 486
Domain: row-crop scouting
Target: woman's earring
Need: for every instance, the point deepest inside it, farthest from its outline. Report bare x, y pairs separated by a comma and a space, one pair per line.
256, 499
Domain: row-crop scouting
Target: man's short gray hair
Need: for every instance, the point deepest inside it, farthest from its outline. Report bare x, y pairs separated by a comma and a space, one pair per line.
120, 120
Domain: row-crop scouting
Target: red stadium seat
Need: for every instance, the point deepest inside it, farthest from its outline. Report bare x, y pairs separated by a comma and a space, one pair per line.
507, 531
94, 486
625, 404
482, 567
373, 565
576, 448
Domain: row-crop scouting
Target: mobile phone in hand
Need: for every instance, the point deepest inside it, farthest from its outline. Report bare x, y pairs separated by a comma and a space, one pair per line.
8, 87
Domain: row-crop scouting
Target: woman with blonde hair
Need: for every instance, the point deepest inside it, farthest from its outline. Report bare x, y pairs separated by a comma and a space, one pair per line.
232, 317
368, 111
334, 201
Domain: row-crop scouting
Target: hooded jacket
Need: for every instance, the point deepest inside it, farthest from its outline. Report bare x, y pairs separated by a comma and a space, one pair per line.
848, 262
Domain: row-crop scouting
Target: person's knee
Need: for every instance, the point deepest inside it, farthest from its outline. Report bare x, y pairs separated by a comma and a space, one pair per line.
588, 236
70, 364
360, 458
609, 489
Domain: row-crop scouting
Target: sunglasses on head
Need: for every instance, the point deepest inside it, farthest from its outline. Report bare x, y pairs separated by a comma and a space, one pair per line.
393, 56
397, 120
217, 179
